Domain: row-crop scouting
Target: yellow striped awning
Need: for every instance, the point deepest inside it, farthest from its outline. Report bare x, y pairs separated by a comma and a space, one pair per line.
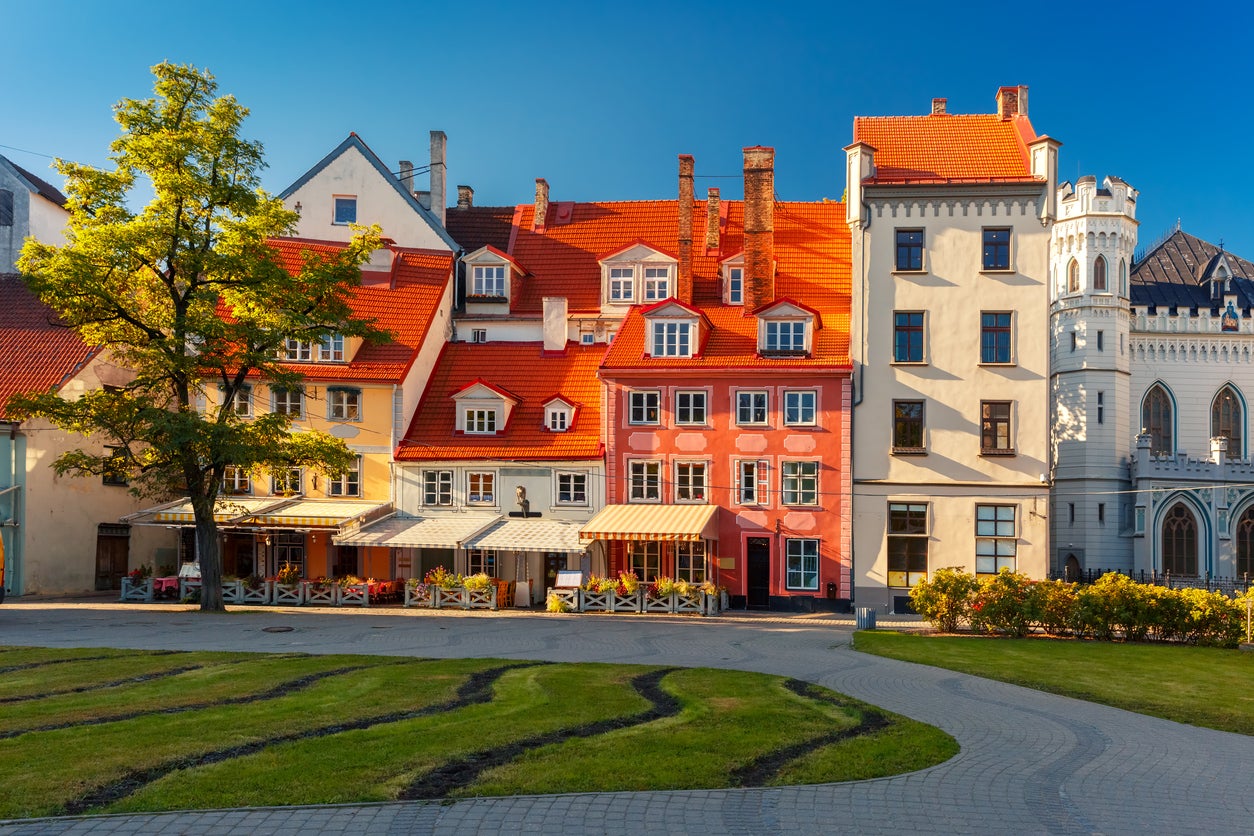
312, 513
653, 522
224, 510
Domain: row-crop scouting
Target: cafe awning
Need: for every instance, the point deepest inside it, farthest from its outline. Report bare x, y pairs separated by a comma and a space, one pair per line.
314, 513
226, 509
528, 536
417, 532
653, 522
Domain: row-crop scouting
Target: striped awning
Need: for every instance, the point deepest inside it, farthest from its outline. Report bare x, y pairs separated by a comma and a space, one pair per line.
314, 513
528, 536
225, 509
653, 522
417, 532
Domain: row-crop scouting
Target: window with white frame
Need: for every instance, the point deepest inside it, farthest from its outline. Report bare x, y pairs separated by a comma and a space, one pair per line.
289, 402
481, 560
480, 421
690, 408
572, 488
345, 211
644, 406
750, 408
241, 402
645, 481
437, 487
347, 483
996, 544
751, 487
287, 482
622, 284
236, 480
297, 351
488, 280
690, 562
799, 483
785, 335
478, 335
735, 285
800, 407
331, 348
558, 419
343, 404
672, 339
802, 558
690, 479
657, 283
481, 487
644, 558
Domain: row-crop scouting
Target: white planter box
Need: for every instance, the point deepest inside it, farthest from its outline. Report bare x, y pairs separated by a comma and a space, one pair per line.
232, 592
449, 597
260, 595
355, 595
326, 593
658, 603
136, 591
624, 603
288, 595
187, 586
570, 596
594, 601
481, 599
419, 596
690, 603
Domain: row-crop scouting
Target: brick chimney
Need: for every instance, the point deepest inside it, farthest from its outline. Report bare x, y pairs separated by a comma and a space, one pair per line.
407, 176
711, 219
759, 274
683, 291
439, 174
465, 197
1012, 101
542, 204
938, 106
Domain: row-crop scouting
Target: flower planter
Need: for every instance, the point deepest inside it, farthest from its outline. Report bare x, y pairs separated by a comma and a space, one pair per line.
481, 599
288, 594
258, 595
419, 596
449, 597
232, 592
188, 586
590, 601
133, 590
658, 603
354, 595
713, 603
321, 592
624, 603
570, 596
690, 603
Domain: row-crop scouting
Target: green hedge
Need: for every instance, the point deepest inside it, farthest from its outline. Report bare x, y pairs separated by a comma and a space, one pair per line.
1113, 607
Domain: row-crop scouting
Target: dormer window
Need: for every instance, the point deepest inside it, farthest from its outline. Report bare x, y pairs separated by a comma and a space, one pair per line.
657, 283
329, 349
488, 280
559, 414
622, 284
735, 286
345, 210
786, 328
786, 335
672, 339
673, 329
559, 420
483, 409
480, 421
637, 273
488, 275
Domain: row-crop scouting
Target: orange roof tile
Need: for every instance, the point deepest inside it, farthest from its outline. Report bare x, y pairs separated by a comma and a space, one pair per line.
529, 373
947, 147
404, 306
37, 353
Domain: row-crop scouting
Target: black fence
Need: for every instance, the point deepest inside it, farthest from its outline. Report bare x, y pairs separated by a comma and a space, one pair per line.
1228, 586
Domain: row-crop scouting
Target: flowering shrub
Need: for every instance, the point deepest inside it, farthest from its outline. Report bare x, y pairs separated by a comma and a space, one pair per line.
662, 587
254, 582
477, 583
628, 583
1005, 603
1055, 606
687, 589
945, 598
1114, 603
288, 575
443, 578
349, 580
140, 573
556, 603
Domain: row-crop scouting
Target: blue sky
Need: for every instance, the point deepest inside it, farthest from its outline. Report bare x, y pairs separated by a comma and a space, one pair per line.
600, 98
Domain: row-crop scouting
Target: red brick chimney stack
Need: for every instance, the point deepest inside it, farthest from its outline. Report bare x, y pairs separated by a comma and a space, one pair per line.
939, 106
711, 219
542, 204
683, 291
1012, 101
759, 273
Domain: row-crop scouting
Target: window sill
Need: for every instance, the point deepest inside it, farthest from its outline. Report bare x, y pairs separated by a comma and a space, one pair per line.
907, 363
779, 354
470, 297
801, 589
657, 501
901, 272
909, 451
1010, 364
995, 453
998, 271
810, 426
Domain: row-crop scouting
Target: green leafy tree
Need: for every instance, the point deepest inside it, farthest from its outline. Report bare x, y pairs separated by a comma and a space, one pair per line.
187, 295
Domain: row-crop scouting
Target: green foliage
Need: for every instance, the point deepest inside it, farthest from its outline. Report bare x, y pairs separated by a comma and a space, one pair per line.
1055, 606
477, 583
1113, 604
443, 578
945, 598
1005, 603
288, 575
556, 603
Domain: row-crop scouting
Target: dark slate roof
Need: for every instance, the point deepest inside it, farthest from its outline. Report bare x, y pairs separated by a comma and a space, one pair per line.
475, 227
1177, 272
42, 186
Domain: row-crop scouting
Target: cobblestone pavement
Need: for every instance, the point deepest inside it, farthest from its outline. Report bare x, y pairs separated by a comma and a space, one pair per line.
1030, 762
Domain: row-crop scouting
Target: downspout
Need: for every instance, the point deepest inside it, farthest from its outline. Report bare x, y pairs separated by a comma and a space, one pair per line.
15, 553
857, 395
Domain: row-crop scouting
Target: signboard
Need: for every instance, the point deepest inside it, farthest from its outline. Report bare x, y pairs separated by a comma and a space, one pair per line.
568, 578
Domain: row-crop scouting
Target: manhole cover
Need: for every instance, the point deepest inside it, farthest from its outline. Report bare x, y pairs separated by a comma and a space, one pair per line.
276, 629
380, 626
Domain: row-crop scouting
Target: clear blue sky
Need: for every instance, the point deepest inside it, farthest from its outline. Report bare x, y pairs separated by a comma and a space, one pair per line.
600, 98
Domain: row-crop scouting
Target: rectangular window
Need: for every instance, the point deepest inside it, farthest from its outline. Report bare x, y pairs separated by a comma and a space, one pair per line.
800, 408
559, 420
1071, 513
481, 560
995, 338
488, 280
1101, 513
645, 560
786, 335
800, 483
344, 404
995, 539
347, 483
622, 284
437, 487
997, 249
1074, 340
690, 482
1101, 407
481, 421
908, 337
331, 348
345, 211
572, 489
481, 488
644, 407
671, 339
735, 285
802, 556
241, 403
236, 480
995, 428
750, 475
645, 481
587, 338
750, 408
909, 249
297, 351
287, 482
690, 408
907, 544
908, 427
657, 283
690, 562
289, 402
115, 472
478, 335
1101, 340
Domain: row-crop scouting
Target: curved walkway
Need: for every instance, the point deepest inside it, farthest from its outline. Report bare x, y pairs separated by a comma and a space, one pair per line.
1030, 762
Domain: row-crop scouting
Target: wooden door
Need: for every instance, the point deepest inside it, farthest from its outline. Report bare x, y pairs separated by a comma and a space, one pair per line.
758, 573
113, 551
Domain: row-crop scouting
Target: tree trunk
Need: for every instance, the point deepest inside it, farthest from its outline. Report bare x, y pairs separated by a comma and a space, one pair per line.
209, 552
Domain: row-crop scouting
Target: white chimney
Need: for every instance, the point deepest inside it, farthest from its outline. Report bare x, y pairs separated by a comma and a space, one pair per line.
554, 323
439, 174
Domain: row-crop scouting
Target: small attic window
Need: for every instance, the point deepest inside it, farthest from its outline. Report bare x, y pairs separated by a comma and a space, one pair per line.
558, 418
671, 338
785, 335
345, 210
735, 285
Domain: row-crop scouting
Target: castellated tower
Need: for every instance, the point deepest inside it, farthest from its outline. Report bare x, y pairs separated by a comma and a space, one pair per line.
1091, 250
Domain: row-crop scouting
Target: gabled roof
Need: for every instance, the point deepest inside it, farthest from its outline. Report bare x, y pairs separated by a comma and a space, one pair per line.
37, 352
947, 148
36, 184
405, 307
533, 376
1177, 273
475, 227
504, 256
354, 141
479, 388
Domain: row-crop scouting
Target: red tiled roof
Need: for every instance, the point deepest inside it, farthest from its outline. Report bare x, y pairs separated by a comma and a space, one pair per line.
530, 374
947, 147
403, 306
813, 268
37, 353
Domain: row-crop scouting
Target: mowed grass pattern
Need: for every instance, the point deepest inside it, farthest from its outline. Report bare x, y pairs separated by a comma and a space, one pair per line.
93, 731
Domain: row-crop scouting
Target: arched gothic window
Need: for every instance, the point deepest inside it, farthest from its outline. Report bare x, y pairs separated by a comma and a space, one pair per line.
1099, 273
1228, 418
1123, 277
1157, 419
1180, 541
1245, 544
1073, 276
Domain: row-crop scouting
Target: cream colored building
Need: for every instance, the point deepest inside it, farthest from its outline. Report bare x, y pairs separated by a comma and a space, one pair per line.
950, 218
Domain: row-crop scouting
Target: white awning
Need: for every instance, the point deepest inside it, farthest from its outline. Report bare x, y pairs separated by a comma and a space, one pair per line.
669, 523
528, 536
267, 512
417, 533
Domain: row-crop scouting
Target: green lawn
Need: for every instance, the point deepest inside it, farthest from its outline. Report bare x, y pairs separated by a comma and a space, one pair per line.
1196, 685
91, 731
